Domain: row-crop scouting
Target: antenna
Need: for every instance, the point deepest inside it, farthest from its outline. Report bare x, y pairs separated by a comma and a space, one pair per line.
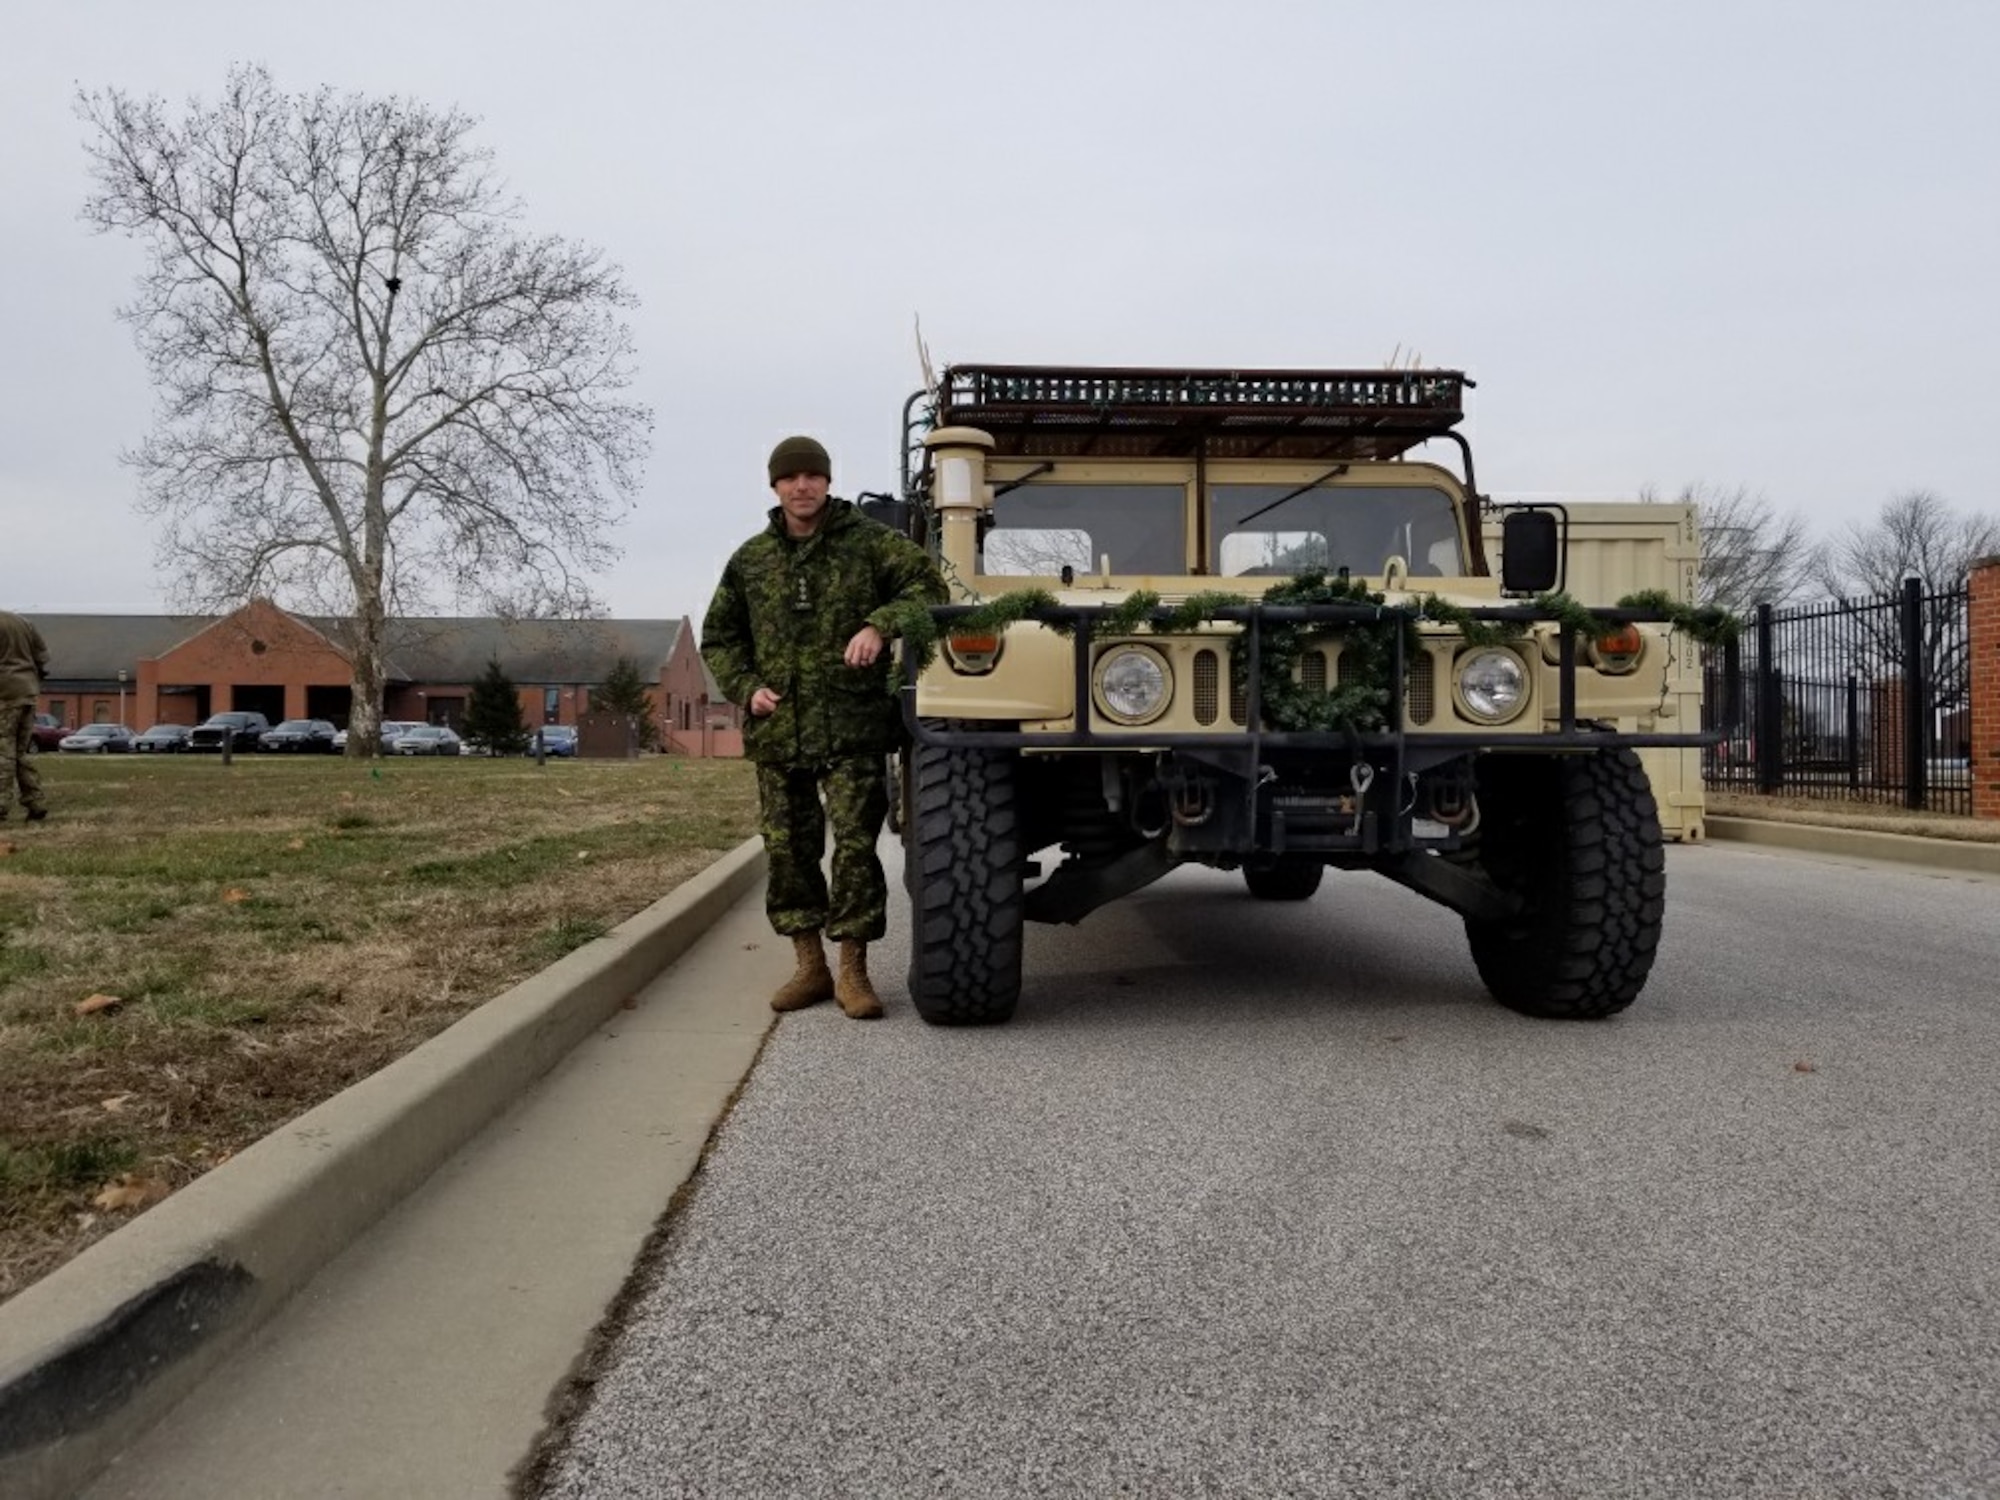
924, 355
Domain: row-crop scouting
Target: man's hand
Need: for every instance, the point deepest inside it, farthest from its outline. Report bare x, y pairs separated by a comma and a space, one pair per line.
865, 647
764, 703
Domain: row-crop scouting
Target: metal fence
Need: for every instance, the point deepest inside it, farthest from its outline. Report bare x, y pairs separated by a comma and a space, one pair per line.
1863, 699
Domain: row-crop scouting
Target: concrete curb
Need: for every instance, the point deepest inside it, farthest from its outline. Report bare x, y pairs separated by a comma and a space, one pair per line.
100, 1349
1962, 855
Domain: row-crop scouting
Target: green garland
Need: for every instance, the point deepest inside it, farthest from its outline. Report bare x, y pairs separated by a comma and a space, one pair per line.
1361, 703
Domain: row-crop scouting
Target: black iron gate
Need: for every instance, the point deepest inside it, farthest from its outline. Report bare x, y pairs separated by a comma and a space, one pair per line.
1865, 699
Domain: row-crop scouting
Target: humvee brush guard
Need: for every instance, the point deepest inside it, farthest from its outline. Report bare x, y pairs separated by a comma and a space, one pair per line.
1330, 675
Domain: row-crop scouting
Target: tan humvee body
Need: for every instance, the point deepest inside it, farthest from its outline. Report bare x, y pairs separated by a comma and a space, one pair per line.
1526, 808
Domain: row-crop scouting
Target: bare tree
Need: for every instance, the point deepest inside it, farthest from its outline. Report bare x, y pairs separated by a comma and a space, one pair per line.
1751, 553
1916, 535
375, 392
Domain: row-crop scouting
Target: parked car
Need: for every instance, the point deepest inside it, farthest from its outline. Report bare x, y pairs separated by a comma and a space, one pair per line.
164, 739
242, 730
428, 739
557, 739
305, 736
386, 733
98, 739
47, 733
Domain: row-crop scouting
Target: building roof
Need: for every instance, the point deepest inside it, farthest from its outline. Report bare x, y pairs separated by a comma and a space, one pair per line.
440, 649
90, 649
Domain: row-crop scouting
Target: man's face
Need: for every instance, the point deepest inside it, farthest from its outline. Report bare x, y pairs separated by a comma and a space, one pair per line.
803, 498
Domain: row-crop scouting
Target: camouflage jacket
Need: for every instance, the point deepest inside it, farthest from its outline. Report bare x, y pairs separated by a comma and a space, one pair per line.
782, 617
24, 660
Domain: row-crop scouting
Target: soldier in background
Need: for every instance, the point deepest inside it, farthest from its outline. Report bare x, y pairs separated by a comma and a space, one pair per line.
24, 662
798, 634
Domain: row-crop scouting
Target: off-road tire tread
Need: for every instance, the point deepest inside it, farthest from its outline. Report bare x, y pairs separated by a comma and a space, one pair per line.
1585, 947
964, 862
1288, 880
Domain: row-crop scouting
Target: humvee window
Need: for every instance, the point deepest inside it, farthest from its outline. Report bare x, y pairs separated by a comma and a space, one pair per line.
1039, 528
1332, 527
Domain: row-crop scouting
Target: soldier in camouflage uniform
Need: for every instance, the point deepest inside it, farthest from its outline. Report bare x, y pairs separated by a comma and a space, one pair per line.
797, 633
24, 662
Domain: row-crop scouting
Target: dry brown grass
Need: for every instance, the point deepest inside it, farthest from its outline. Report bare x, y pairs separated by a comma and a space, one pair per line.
279, 929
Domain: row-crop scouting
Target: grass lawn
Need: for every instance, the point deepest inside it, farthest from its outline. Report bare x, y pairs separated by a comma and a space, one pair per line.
277, 929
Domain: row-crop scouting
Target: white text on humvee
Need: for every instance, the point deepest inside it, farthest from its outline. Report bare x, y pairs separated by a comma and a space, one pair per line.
1501, 779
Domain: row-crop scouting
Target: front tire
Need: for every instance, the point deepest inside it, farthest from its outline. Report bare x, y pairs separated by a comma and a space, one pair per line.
1577, 838
964, 868
1284, 879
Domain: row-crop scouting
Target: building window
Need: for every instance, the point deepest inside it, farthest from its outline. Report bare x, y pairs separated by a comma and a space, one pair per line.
551, 705
100, 712
59, 707
687, 714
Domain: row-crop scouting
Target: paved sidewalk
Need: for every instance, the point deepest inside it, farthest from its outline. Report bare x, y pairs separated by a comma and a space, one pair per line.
1966, 856
420, 1362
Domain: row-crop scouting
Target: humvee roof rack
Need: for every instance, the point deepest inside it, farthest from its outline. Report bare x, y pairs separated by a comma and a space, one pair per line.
1333, 414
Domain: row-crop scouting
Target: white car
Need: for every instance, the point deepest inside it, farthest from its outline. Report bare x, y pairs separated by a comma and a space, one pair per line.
390, 731
427, 739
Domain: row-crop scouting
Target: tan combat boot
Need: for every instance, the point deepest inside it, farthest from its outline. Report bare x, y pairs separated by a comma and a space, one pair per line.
812, 983
856, 995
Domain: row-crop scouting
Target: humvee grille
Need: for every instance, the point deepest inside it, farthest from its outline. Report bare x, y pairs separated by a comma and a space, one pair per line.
1205, 677
1420, 694
1419, 689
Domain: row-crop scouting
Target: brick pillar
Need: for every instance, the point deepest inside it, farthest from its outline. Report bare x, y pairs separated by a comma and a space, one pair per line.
1984, 608
1886, 727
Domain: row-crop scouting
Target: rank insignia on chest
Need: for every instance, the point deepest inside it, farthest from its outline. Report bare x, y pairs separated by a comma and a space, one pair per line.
800, 599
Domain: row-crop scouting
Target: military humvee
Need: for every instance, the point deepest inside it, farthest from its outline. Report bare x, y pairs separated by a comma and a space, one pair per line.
1075, 753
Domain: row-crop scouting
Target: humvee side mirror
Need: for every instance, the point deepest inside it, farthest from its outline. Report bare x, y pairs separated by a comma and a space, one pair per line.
891, 512
1530, 552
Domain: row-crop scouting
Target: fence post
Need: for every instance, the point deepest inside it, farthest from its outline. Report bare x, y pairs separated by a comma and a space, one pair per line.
1769, 727
1853, 734
1916, 699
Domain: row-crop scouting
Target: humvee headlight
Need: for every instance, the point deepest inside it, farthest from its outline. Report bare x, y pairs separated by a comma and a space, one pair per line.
1492, 685
1132, 684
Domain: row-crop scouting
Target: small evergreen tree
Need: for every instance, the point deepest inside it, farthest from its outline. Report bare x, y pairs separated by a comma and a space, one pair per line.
493, 713
623, 691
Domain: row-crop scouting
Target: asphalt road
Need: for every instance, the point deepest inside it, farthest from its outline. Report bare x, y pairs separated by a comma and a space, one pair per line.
1258, 1199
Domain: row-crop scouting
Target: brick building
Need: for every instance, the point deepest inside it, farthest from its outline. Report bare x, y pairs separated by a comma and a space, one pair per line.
152, 669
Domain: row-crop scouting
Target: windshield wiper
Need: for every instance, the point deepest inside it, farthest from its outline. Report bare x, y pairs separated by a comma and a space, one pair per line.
1015, 484
1311, 484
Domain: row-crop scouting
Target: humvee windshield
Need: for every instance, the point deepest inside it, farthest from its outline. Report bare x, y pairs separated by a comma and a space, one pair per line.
1257, 530
1038, 529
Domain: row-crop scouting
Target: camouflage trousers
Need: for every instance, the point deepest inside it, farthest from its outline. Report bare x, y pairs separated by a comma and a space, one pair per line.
794, 822
18, 776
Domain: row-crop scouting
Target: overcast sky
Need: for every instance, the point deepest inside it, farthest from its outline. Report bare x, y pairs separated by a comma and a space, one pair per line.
1748, 243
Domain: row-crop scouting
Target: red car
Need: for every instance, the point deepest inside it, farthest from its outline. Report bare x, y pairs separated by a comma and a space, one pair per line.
48, 732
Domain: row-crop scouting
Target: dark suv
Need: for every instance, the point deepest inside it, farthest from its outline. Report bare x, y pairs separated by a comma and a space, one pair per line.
47, 732
241, 731
312, 735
